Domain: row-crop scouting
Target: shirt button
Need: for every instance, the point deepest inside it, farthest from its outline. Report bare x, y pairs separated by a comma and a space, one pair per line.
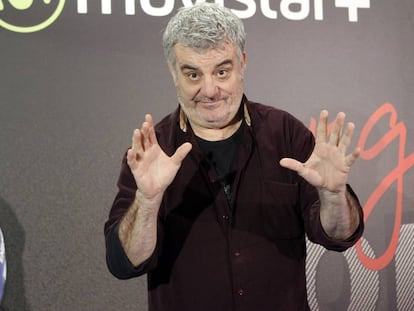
225, 217
240, 292
237, 254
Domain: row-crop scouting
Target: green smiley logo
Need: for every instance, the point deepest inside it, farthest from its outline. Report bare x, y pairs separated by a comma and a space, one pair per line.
25, 5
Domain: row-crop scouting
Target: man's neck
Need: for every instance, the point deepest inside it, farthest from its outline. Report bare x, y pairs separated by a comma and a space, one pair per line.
216, 134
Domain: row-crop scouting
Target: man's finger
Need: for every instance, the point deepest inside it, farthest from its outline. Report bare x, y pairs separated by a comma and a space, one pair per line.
292, 164
322, 127
136, 141
310, 175
151, 131
181, 153
131, 159
337, 130
346, 138
351, 158
145, 129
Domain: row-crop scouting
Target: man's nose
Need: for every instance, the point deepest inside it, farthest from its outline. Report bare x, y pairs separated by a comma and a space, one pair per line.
209, 86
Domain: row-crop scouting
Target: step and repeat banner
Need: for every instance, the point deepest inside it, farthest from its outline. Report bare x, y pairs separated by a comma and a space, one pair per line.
76, 77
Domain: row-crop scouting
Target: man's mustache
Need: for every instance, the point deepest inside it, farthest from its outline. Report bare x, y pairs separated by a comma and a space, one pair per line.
205, 99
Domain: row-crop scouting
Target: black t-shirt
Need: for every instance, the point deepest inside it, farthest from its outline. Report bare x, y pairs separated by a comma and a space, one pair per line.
221, 154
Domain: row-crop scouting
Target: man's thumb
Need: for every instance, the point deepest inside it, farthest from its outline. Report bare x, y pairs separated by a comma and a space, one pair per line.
181, 153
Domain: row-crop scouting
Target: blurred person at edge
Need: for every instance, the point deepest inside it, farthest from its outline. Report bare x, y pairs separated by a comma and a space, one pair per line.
215, 200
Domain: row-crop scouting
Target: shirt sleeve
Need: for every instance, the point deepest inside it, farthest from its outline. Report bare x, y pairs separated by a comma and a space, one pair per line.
117, 261
317, 234
303, 142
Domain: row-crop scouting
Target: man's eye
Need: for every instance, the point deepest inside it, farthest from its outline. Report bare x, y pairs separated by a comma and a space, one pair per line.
222, 73
193, 76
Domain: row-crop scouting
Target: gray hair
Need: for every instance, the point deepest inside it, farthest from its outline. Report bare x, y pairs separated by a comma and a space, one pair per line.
203, 27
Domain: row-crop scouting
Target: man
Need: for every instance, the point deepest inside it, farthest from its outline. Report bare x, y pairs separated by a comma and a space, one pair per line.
214, 201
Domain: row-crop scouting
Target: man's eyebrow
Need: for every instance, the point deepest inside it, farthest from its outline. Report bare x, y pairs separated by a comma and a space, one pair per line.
225, 62
189, 67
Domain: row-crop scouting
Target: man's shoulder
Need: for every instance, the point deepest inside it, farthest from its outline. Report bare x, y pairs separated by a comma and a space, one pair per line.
260, 112
168, 132
168, 120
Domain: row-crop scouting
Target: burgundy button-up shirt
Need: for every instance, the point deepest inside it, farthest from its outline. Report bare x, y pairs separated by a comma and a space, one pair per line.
215, 258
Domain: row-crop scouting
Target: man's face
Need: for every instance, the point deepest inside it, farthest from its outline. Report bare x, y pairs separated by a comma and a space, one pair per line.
209, 85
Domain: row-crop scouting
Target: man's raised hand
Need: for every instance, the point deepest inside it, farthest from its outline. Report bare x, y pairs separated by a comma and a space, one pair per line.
328, 166
152, 169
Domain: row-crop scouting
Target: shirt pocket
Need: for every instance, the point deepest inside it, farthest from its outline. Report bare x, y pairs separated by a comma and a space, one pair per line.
281, 211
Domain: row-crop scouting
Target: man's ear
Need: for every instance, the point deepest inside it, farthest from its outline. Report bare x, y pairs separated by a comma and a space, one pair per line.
243, 61
173, 72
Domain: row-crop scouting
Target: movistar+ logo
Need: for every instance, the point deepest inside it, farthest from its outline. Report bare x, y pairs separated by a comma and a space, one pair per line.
9, 18
15, 15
